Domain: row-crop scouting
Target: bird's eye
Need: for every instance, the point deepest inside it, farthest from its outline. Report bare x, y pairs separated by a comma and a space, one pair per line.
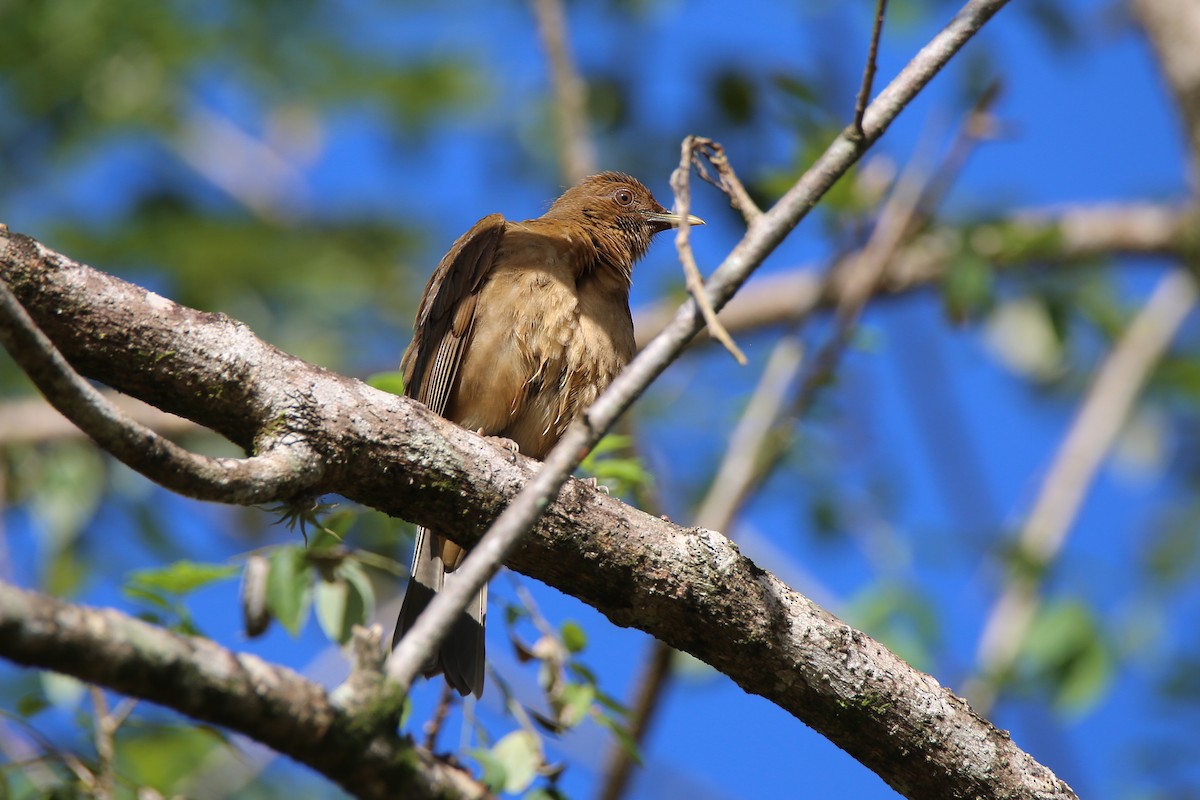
623, 197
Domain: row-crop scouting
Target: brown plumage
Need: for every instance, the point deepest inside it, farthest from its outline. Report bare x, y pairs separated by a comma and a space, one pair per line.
521, 326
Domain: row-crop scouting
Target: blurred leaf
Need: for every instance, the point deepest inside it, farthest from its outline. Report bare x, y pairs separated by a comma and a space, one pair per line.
967, 287
343, 602
387, 381
362, 600
1021, 334
735, 94
494, 775
156, 756
520, 755
573, 636
182, 577
289, 587
331, 601
1065, 648
32, 704
575, 703
62, 691
901, 618
67, 490
1056, 22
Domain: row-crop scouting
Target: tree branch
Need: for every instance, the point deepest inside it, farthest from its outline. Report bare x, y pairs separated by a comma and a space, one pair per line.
1173, 28
1102, 412
689, 587
279, 473
576, 154
239, 691
1035, 237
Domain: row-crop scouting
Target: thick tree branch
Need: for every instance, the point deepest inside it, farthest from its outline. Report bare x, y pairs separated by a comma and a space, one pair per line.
279, 473
239, 691
690, 588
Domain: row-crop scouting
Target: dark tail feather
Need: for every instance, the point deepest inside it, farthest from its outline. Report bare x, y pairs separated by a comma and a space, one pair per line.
461, 656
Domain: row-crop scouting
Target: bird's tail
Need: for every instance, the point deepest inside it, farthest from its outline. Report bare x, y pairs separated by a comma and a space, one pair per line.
460, 657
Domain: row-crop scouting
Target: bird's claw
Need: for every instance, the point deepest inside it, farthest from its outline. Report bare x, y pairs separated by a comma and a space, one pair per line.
595, 483
504, 443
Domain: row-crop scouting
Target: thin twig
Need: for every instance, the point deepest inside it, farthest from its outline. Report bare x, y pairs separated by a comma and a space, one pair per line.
518, 518
1102, 412
277, 474
706, 150
868, 79
695, 281
750, 439
102, 731
655, 677
434, 726
576, 153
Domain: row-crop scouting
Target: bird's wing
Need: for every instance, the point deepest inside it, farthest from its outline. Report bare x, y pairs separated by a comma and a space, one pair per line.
446, 313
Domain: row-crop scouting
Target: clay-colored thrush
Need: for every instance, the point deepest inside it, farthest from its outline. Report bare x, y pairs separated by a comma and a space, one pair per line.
521, 326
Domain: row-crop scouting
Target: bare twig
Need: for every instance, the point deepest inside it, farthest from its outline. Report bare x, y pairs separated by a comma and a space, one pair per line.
744, 457
105, 726
868, 79
1039, 236
576, 153
706, 150
507, 531
1173, 28
33, 420
277, 474
695, 282
655, 676
1102, 412
434, 726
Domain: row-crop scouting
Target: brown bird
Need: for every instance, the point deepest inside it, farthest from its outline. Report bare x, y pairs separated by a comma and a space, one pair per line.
521, 326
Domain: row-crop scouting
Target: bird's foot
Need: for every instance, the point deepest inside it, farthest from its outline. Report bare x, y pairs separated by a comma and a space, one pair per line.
595, 483
504, 443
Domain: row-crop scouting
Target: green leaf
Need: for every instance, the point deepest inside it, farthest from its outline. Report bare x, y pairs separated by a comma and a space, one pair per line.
387, 381
967, 286
289, 588
181, 577
1086, 679
520, 753
494, 775
362, 592
330, 601
1066, 648
32, 704
573, 637
575, 703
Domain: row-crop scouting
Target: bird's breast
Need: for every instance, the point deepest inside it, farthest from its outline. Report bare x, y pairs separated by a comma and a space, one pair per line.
542, 349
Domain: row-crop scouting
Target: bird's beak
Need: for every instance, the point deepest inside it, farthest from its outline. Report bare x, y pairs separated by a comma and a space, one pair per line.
671, 219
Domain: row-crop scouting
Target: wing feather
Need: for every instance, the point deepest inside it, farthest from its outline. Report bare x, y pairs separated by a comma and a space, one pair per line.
446, 314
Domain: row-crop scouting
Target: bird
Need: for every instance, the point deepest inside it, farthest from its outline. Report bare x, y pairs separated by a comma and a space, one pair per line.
521, 326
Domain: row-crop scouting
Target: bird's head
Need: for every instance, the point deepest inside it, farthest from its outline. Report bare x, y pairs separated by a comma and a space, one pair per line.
619, 213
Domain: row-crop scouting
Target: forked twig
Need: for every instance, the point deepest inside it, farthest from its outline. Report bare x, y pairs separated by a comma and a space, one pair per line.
864, 91
695, 281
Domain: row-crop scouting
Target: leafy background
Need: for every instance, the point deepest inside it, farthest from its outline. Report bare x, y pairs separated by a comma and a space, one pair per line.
301, 166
